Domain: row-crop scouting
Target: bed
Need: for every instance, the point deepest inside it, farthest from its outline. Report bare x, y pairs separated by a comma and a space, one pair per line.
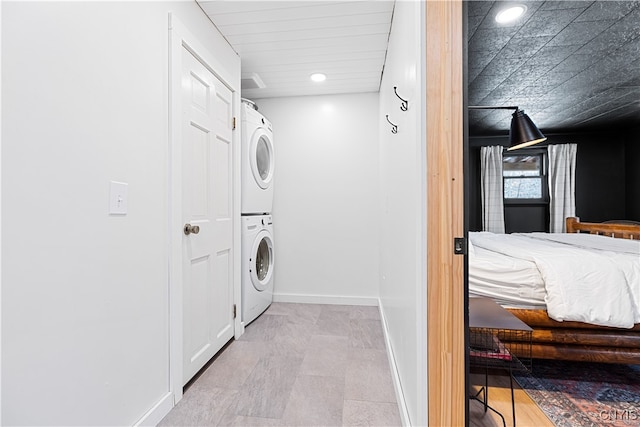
529, 286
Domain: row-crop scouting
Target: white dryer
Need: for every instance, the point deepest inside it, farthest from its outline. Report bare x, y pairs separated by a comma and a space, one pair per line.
257, 161
257, 265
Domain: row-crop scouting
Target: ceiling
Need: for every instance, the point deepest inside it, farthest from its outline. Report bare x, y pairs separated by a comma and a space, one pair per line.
284, 42
571, 65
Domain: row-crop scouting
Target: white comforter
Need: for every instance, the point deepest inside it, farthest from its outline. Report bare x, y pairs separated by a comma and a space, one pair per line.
588, 278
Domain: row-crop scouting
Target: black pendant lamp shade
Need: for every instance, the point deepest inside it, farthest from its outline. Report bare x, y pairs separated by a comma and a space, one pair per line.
523, 132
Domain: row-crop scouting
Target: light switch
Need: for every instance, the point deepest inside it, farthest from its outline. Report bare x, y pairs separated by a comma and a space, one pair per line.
118, 198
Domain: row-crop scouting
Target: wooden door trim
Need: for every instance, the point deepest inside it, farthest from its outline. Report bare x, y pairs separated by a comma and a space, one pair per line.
445, 214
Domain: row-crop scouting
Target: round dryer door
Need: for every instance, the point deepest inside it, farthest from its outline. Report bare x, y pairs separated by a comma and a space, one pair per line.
262, 261
262, 157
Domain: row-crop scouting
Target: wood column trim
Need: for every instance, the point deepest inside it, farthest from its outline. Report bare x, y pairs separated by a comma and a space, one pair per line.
445, 215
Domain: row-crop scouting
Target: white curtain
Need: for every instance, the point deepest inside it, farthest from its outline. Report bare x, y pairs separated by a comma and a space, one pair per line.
562, 185
491, 187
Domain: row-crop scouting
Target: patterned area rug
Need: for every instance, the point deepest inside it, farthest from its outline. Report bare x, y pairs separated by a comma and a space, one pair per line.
577, 394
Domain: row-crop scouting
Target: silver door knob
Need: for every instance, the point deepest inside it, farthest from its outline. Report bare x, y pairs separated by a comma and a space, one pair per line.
191, 229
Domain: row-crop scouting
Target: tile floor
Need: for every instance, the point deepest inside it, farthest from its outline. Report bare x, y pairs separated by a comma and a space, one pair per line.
297, 365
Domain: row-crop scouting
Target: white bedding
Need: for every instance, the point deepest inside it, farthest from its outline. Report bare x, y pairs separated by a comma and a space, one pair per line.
511, 282
585, 278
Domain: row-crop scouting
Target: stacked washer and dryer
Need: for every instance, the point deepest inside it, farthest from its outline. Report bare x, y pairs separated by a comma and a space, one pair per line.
256, 204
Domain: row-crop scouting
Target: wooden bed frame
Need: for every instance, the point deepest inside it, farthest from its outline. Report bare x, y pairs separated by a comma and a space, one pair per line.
582, 341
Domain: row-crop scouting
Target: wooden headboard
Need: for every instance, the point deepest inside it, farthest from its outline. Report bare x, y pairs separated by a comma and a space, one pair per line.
621, 230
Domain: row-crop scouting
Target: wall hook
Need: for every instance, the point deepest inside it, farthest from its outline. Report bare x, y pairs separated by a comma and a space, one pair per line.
394, 128
405, 104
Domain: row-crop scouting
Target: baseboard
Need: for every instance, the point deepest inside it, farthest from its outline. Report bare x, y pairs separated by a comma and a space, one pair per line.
395, 376
325, 299
158, 412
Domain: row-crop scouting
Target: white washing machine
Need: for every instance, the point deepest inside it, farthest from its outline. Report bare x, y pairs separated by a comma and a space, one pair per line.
257, 265
257, 161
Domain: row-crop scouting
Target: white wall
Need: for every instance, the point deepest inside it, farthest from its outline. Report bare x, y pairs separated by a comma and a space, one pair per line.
0, 219
325, 208
85, 319
403, 206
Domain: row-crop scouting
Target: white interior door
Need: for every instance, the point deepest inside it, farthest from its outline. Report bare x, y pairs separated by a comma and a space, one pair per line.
207, 184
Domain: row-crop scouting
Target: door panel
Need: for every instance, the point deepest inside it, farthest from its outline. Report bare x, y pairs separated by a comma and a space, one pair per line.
198, 171
222, 177
207, 202
198, 307
225, 107
222, 274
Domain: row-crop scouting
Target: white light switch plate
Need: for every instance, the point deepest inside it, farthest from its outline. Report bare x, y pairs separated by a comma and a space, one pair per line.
118, 198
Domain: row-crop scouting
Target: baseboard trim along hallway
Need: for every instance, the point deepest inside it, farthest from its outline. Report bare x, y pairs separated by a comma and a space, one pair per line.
395, 376
324, 299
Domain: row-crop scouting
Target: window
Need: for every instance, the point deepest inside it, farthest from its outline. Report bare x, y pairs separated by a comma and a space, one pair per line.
524, 176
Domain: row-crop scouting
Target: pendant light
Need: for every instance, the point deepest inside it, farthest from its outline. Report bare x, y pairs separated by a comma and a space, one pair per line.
523, 132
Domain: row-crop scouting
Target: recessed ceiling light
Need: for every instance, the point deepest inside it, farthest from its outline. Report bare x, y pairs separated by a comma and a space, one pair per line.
510, 14
318, 77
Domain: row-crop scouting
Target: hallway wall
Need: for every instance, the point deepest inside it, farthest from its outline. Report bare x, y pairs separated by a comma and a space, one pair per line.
403, 206
85, 316
325, 208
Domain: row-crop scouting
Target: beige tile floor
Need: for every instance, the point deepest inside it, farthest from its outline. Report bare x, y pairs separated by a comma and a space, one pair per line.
297, 365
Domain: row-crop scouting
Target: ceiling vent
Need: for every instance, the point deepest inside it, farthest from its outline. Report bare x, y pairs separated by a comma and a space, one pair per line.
252, 81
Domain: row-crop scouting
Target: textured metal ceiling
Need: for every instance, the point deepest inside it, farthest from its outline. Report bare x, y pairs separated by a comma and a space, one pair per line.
571, 65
